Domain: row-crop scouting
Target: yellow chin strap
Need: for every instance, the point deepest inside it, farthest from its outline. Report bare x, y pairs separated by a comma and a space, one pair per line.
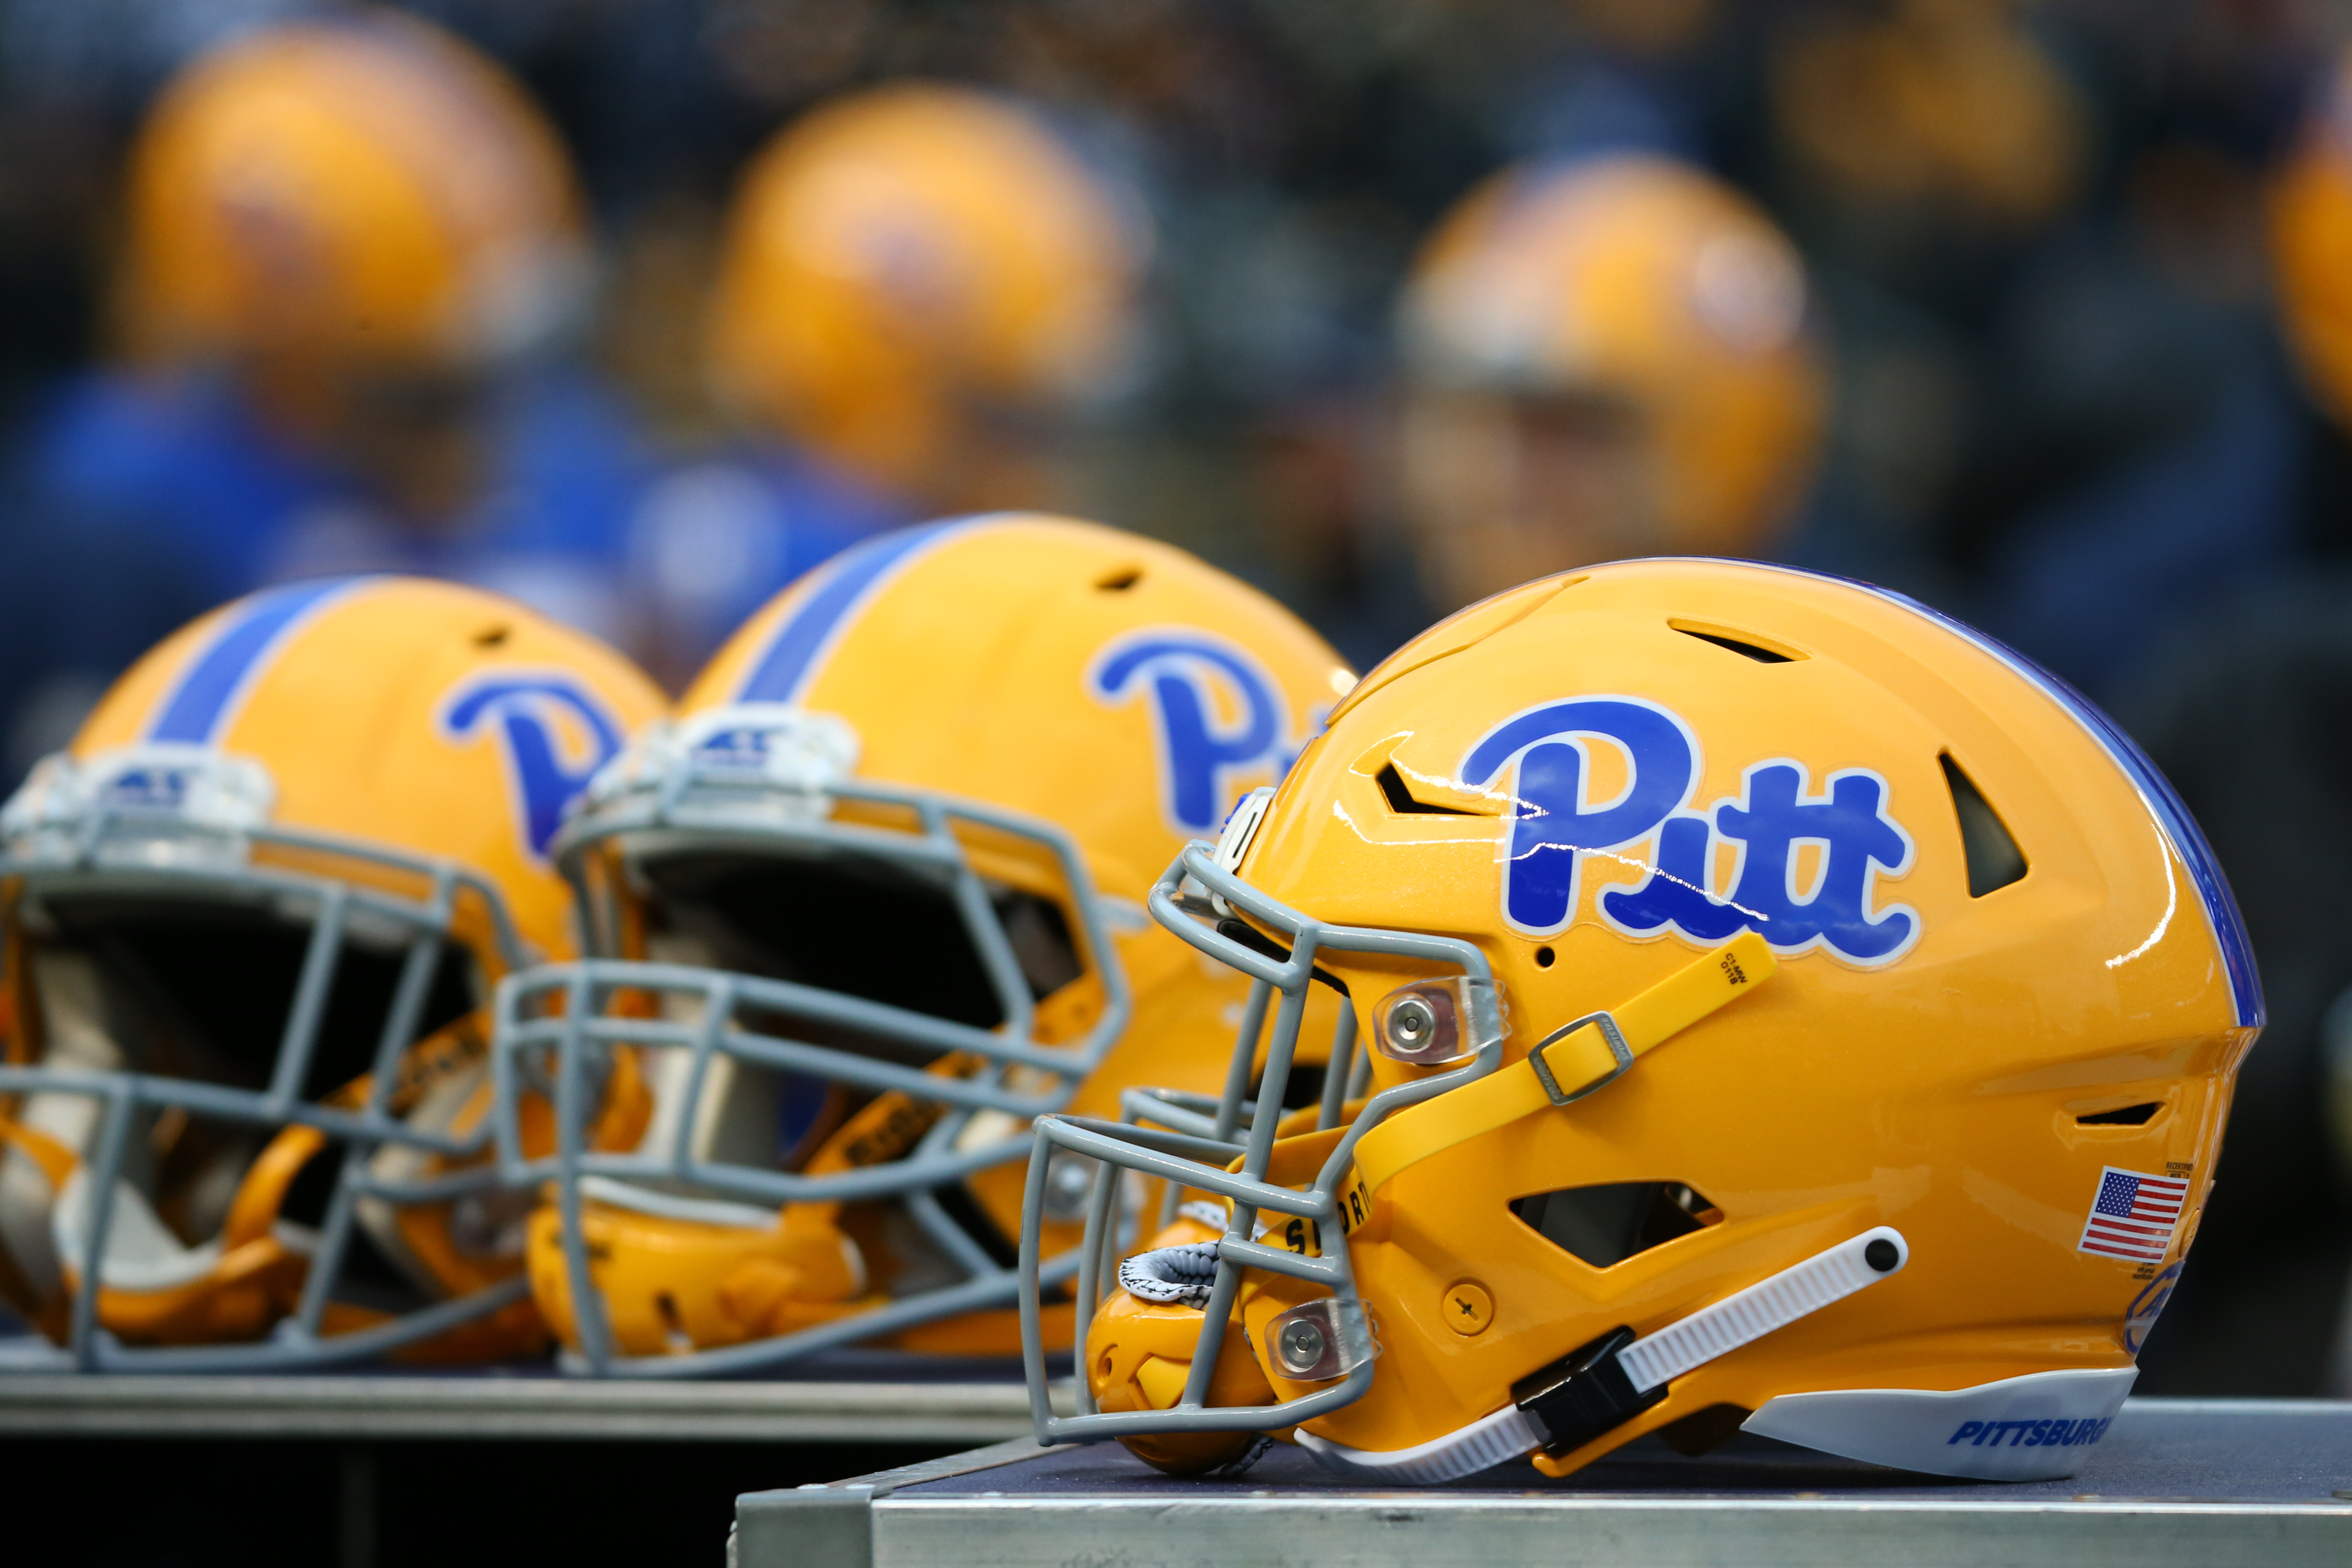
1571, 1063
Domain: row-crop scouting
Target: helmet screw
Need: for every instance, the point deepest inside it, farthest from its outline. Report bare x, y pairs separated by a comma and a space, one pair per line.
1301, 1346
1880, 1254
1467, 1308
1412, 1022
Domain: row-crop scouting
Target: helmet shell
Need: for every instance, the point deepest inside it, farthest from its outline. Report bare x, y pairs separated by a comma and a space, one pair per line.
1955, 1044
360, 190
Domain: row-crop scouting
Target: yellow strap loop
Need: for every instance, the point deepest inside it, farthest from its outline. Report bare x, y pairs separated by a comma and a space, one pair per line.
1577, 1062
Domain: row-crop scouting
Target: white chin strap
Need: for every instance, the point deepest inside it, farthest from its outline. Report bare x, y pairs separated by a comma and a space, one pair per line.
1649, 1362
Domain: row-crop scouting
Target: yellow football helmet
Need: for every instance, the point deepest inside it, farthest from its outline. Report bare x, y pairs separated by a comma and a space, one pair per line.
252, 920
359, 190
1940, 115
872, 903
913, 275
2311, 247
1604, 358
1786, 1008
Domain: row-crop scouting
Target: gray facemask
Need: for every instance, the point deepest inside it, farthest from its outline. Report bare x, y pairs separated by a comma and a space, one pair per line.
745, 830
166, 837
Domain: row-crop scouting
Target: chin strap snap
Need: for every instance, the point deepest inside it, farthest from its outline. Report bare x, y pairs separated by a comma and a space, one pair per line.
1585, 1393
1602, 1384
1569, 1064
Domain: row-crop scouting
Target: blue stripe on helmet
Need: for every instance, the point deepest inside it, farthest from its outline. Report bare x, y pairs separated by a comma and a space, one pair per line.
2171, 812
807, 635
196, 712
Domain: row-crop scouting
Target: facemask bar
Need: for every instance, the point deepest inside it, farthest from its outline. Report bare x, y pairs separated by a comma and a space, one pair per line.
1189, 1158
1345, 1074
1019, 1076
93, 835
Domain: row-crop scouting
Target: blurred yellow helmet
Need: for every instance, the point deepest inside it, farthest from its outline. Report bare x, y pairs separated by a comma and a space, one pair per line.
1643, 293
871, 905
1950, 110
252, 920
364, 189
2311, 247
905, 261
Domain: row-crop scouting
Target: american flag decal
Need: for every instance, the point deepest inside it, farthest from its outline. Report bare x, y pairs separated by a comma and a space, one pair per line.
2133, 1215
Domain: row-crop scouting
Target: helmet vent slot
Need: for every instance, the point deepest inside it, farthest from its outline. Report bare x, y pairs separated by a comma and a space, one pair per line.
1257, 941
1994, 859
1747, 644
1119, 581
2123, 1116
1401, 799
1604, 1226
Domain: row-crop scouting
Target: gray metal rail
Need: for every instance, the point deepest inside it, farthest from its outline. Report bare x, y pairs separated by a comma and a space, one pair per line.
509, 1409
2176, 1484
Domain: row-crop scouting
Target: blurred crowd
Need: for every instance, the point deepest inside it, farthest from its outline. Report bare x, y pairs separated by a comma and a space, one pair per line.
635, 309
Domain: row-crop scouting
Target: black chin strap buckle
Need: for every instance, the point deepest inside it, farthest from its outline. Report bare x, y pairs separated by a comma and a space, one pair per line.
1582, 1395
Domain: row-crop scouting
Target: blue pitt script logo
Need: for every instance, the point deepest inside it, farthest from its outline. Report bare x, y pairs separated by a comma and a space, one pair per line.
1555, 827
556, 734
1220, 716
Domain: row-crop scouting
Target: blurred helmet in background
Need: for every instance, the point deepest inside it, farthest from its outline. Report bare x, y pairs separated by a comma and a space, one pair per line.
1945, 119
868, 907
2311, 247
252, 918
917, 282
364, 190
1605, 359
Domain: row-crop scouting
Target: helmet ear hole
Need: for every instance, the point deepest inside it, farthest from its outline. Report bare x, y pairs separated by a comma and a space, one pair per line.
1604, 1226
2125, 1116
